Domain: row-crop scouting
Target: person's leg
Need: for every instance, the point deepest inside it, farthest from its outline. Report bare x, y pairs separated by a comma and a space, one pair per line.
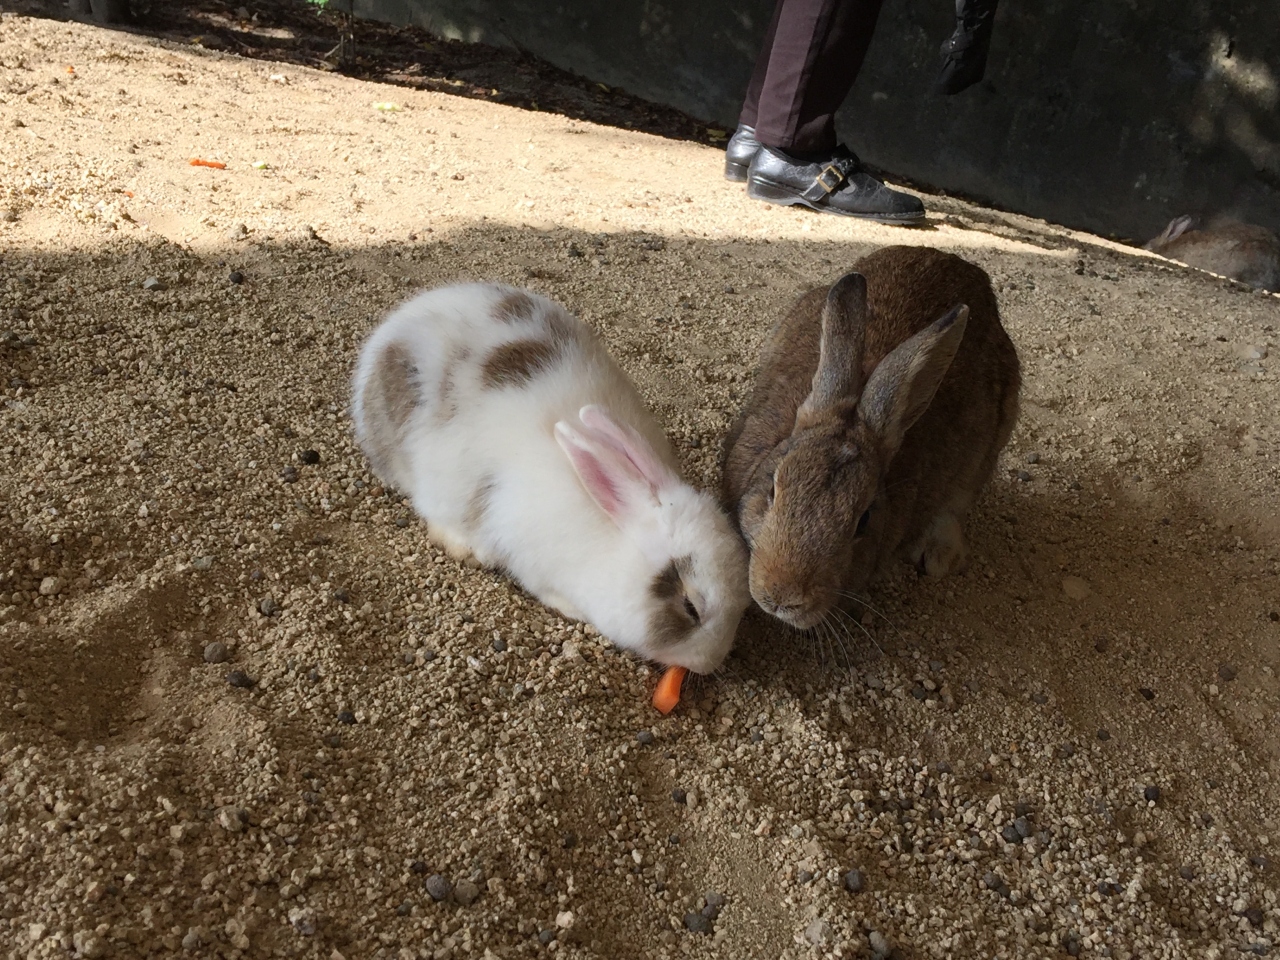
751, 102
790, 154
816, 52
743, 145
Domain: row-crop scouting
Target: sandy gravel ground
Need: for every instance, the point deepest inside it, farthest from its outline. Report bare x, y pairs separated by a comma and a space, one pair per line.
247, 710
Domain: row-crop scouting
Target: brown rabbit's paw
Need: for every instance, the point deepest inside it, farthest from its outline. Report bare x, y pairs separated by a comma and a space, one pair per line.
944, 549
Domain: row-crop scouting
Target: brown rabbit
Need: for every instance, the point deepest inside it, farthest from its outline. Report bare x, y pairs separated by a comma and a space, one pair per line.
879, 409
1242, 251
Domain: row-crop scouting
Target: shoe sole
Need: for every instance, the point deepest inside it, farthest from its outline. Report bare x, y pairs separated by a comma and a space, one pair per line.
737, 172
771, 192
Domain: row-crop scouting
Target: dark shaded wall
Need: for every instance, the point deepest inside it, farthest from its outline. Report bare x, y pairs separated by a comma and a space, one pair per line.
1104, 115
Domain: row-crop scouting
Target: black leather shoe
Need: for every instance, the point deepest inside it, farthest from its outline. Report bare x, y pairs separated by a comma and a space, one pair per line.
964, 54
835, 185
743, 145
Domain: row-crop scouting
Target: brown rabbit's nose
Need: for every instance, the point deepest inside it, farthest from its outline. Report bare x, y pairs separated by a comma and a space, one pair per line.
777, 606
789, 608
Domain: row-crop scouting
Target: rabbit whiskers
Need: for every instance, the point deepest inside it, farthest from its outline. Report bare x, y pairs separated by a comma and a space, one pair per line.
827, 637
870, 608
850, 619
836, 634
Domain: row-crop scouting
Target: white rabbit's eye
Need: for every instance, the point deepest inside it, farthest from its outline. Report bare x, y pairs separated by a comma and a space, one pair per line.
862, 522
691, 610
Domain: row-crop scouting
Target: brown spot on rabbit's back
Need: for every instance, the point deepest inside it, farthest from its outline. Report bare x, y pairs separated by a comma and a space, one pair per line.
562, 327
519, 307
671, 622
391, 394
478, 503
446, 400
395, 380
516, 307
517, 362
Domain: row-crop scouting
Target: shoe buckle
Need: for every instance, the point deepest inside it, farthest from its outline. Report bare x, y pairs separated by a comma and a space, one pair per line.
830, 178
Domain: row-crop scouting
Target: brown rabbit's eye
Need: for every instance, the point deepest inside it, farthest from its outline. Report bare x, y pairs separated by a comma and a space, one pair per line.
862, 523
691, 610
773, 491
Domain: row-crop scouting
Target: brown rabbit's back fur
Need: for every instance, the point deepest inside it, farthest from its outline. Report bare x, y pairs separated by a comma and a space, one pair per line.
1242, 251
950, 451
980, 389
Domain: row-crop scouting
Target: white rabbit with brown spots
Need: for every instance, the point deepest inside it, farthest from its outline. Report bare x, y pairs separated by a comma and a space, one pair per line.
522, 443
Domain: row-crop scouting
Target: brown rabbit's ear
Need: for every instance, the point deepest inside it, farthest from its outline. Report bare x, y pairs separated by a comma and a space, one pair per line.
1176, 228
902, 385
839, 373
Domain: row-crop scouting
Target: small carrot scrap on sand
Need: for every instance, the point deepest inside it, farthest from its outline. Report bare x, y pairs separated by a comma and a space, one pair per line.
216, 164
667, 695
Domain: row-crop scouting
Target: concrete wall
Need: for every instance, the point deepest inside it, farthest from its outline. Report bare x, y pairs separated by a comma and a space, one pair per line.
1106, 115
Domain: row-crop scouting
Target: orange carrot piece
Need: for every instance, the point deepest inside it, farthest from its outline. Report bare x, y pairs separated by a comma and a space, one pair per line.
216, 164
667, 695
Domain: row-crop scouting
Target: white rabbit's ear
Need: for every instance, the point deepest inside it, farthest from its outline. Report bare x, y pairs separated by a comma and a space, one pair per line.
612, 479
625, 441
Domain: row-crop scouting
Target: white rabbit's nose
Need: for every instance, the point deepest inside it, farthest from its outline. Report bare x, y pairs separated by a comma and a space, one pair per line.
696, 657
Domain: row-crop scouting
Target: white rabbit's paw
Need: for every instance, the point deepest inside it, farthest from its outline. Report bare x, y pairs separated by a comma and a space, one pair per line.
455, 546
562, 606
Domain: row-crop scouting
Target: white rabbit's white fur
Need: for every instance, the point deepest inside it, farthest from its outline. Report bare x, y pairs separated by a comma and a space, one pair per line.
522, 442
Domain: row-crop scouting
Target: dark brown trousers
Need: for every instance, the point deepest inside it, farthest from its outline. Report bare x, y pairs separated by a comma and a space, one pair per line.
812, 52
